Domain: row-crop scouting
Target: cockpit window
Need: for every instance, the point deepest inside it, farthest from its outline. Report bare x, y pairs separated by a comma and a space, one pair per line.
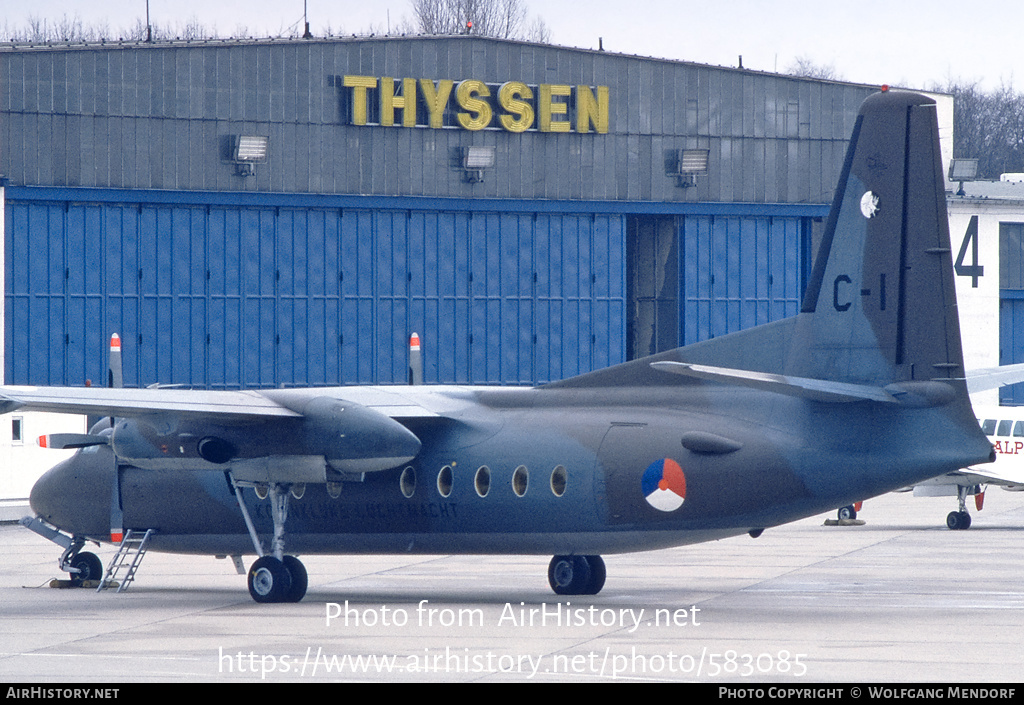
1018, 429
1004, 428
988, 427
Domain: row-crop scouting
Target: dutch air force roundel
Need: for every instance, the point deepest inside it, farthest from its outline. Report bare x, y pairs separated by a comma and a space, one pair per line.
664, 485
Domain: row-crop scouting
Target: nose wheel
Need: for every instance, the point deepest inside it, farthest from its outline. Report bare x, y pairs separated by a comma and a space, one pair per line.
85, 566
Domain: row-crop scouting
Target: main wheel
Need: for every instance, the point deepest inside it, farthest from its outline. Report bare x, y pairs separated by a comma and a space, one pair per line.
299, 577
958, 521
576, 575
568, 575
847, 512
89, 567
270, 580
597, 575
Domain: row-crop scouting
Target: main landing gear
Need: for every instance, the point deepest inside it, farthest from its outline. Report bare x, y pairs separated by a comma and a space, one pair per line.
276, 577
849, 512
576, 575
960, 520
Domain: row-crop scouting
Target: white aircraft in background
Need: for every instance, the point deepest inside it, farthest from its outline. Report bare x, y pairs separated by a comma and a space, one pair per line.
1004, 427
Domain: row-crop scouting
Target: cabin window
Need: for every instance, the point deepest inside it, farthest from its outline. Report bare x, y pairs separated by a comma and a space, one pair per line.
482, 480
559, 478
16, 429
408, 482
445, 481
1004, 428
520, 480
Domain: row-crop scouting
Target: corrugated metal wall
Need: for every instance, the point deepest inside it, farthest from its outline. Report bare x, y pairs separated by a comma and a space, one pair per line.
259, 296
222, 280
1011, 305
161, 116
741, 272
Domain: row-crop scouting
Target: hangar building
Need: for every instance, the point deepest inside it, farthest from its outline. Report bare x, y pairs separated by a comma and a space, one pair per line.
260, 213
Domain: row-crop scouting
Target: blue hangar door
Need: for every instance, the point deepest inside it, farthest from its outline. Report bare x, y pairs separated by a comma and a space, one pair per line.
696, 277
1011, 305
258, 296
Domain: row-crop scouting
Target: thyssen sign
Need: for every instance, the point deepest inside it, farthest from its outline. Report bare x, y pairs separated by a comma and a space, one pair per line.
474, 105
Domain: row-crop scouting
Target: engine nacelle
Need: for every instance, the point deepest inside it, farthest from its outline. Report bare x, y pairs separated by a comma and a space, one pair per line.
345, 436
354, 438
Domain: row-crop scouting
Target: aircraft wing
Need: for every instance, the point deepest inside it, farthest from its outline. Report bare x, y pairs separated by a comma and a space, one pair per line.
227, 405
994, 474
104, 401
977, 475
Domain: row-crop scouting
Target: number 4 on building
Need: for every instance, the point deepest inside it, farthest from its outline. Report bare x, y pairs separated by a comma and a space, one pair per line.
974, 270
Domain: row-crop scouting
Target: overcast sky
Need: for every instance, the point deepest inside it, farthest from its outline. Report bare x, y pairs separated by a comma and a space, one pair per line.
902, 42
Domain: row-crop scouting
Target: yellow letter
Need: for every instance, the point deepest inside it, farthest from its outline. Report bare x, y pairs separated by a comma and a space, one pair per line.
359, 84
507, 95
547, 107
436, 99
481, 108
590, 110
405, 102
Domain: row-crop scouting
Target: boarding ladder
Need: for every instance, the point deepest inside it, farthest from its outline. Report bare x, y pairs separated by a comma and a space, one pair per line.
128, 557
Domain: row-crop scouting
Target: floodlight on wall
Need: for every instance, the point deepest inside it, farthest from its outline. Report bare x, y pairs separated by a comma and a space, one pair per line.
688, 164
475, 160
962, 170
250, 150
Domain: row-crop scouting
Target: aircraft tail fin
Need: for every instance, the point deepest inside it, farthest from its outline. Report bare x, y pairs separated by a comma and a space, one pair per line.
880, 306
880, 309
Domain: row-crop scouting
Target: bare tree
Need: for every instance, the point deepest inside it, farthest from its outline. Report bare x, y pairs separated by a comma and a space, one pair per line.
987, 126
538, 31
506, 19
805, 67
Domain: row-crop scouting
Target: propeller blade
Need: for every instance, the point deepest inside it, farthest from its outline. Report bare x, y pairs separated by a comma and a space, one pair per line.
69, 441
415, 360
116, 380
115, 373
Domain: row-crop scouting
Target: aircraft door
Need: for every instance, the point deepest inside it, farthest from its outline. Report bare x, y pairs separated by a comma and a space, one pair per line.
642, 471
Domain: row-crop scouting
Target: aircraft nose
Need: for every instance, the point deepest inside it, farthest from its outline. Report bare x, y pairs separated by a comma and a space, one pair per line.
74, 495
45, 497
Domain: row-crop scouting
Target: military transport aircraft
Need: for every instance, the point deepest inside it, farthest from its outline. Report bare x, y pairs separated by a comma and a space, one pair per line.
861, 393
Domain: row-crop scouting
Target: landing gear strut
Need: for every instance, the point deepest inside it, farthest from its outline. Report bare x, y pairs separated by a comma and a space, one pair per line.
277, 577
576, 575
960, 520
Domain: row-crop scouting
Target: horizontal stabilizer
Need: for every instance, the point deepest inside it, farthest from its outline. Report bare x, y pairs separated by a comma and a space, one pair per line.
814, 389
994, 377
